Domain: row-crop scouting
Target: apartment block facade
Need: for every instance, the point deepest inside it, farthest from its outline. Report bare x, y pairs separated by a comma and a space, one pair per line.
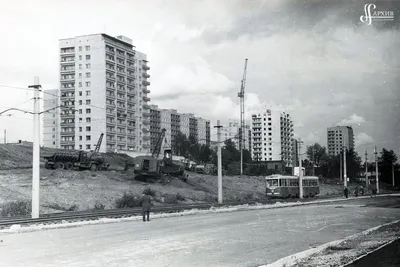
232, 132
272, 136
51, 119
103, 89
174, 122
338, 137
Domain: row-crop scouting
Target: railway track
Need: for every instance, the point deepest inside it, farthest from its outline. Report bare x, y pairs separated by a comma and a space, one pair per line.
126, 212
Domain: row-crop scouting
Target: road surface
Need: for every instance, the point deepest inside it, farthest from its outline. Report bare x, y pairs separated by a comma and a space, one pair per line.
245, 238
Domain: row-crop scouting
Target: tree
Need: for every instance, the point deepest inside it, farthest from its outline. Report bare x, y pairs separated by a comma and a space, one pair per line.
385, 161
316, 154
353, 161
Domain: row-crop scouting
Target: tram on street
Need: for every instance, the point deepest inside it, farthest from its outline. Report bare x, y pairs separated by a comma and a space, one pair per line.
285, 186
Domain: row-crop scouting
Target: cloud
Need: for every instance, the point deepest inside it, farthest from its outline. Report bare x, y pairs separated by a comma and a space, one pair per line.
312, 138
352, 120
363, 139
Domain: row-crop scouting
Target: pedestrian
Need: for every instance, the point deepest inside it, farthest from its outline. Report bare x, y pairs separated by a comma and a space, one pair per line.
356, 191
145, 203
362, 190
346, 192
371, 189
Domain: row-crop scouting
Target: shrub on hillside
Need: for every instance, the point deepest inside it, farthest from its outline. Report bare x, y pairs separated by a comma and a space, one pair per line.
128, 200
99, 206
16, 208
179, 197
149, 191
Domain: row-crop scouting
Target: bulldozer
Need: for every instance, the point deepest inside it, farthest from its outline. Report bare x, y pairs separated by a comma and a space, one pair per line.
151, 169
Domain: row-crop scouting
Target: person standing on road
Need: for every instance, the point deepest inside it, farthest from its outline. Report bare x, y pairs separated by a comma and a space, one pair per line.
356, 191
145, 203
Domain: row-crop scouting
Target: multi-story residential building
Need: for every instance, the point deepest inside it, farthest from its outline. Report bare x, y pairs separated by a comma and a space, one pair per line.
51, 119
103, 87
174, 122
272, 133
338, 137
232, 132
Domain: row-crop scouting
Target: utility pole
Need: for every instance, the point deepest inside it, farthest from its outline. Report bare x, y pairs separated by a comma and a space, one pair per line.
36, 150
344, 166
219, 162
340, 164
393, 173
313, 165
300, 173
376, 170
5, 136
366, 170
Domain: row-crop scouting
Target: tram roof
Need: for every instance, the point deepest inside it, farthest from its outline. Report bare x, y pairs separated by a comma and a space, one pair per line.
278, 176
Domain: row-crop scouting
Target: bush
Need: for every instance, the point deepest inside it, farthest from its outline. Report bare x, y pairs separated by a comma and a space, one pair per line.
57, 206
128, 200
99, 206
149, 191
16, 208
179, 197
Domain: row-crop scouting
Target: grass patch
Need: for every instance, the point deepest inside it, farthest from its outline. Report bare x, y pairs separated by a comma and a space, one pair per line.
16, 208
128, 200
57, 206
150, 192
99, 206
179, 197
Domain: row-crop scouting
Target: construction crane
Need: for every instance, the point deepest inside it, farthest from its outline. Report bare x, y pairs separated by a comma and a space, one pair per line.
242, 118
97, 149
157, 147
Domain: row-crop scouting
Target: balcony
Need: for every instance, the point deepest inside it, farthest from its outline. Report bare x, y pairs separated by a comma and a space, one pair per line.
145, 106
145, 130
145, 75
131, 92
146, 122
110, 141
146, 114
146, 138
145, 98
66, 69
145, 83
145, 67
145, 90
146, 146
67, 60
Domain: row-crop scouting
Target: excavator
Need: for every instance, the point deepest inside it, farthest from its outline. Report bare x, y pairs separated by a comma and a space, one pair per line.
153, 169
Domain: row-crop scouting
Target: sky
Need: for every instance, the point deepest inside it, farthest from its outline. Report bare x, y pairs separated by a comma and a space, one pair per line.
314, 59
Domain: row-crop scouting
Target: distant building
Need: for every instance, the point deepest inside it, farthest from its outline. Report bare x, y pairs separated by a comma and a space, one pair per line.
272, 133
174, 122
339, 137
51, 119
232, 130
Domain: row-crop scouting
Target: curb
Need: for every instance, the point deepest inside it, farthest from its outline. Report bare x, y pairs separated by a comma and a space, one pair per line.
292, 259
369, 253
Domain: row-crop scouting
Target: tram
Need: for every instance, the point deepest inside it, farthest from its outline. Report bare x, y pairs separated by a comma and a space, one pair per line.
283, 186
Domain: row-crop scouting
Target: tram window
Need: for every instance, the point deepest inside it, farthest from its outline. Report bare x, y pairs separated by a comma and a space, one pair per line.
284, 182
272, 182
294, 182
306, 182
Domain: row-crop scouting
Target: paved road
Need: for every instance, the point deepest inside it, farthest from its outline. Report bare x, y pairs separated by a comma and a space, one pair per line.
246, 238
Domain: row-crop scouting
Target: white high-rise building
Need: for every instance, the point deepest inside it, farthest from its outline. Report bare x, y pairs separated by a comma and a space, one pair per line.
51, 119
338, 137
272, 133
232, 132
103, 88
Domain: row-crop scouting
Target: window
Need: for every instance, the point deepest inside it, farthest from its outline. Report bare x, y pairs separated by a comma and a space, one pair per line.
87, 84
87, 74
87, 48
269, 133
88, 110
87, 57
80, 111
88, 120
80, 75
80, 84
80, 138
87, 146
270, 148
80, 102
80, 66
269, 129
88, 66
80, 119
80, 146
54, 143
88, 128
87, 93
54, 129
80, 129
88, 102
80, 49
80, 57
269, 119
87, 137
80, 93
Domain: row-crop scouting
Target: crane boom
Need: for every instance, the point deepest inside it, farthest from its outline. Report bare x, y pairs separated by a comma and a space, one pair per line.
97, 149
242, 117
157, 147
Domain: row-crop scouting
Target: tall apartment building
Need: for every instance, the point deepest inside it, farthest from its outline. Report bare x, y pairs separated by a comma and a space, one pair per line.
272, 133
103, 87
174, 122
338, 137
232, 132
51, 119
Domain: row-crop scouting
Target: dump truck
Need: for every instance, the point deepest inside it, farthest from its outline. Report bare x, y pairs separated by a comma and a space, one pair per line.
82, 160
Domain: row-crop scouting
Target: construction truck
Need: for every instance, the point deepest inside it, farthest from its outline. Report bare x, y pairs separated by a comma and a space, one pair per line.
81, 160
153, 169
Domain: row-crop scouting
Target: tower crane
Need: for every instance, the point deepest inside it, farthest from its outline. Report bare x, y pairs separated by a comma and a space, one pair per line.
242, 117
